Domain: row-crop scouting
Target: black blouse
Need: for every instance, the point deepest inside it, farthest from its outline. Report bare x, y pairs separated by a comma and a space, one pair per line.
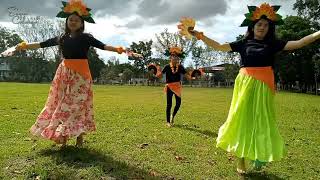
257, 53
176, 77
74, 47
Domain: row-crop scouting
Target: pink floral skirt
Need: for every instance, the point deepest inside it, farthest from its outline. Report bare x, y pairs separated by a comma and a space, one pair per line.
68, 111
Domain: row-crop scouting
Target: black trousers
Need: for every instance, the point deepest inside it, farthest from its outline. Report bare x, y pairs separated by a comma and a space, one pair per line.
169, 104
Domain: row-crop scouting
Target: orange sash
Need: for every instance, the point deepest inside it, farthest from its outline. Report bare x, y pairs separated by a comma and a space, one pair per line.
175, 87
81, 66
264, 74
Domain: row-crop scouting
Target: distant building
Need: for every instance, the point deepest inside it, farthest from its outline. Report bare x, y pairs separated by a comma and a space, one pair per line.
4, 70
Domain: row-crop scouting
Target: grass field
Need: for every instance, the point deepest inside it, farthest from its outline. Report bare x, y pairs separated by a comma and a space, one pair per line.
132, 141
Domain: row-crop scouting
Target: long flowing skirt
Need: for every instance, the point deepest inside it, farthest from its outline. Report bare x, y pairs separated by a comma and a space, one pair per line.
251, 131
68, 111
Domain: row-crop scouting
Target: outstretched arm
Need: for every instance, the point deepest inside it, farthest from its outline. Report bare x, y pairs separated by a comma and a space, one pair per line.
159, 72
25, 46
291, 45
210, 42
188, 76
119, 50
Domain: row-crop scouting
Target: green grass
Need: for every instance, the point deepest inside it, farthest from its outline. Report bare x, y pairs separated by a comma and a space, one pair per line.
127, 117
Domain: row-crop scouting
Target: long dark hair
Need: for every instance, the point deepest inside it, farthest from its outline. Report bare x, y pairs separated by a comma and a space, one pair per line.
67, 31
270, 36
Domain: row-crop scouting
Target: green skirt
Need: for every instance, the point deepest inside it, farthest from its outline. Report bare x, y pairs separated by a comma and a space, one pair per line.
251, 131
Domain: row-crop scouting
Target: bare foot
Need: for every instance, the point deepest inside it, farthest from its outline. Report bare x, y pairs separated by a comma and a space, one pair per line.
168, 125
241, 169
172, 120
64, 143
63, 146
79, 140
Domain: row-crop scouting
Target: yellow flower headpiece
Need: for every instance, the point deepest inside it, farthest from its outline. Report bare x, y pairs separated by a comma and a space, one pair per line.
265, 10
75, 6
176, 51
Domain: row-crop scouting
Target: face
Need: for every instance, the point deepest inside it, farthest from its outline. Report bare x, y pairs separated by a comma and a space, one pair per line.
261, 29
74, 23
174, 59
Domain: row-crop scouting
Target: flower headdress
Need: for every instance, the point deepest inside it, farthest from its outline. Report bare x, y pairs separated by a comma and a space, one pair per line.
265, 10
175, 51
75, 6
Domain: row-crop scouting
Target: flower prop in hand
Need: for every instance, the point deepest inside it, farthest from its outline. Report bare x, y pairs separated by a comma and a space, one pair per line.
197, 73
153, 68
186, 25
133, 54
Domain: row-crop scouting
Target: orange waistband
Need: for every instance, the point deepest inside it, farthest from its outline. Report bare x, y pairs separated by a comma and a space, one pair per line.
264, 74
81, 66
175, 87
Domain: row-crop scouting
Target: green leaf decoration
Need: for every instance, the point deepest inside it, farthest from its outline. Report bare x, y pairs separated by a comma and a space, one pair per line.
276, 8
252, 8
246, 22
248, 15
62, 14
64, 3
89, 20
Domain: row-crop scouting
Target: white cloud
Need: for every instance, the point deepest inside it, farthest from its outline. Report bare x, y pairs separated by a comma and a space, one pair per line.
121, 22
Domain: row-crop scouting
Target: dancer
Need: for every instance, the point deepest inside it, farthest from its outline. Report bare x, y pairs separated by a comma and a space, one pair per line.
173, 72
68, 111
250, 131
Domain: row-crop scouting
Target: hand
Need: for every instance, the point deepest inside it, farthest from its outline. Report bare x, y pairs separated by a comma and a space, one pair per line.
133, 54
159, 72
120, 50
22, 46
197, 34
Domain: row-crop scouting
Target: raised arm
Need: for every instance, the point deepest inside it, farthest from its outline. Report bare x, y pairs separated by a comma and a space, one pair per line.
119, 50
210, 42
25, 46
98, 44
291, 45
37, 45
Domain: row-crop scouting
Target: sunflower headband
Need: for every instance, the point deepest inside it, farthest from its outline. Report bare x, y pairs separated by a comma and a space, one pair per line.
265, 10
75, 6
175, 51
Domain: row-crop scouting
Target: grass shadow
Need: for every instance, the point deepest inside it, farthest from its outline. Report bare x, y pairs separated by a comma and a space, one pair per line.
261, 176
83, 158
197, 130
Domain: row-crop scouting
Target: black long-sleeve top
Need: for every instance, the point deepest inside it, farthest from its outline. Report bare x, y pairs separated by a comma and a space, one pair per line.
74, 47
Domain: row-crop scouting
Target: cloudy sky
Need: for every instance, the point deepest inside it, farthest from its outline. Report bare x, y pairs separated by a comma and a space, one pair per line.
120, 22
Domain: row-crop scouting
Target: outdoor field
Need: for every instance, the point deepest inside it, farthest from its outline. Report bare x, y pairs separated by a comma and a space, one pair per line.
133, 142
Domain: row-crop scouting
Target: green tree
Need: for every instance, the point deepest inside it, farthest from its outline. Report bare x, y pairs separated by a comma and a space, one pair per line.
165, 40
309, 9
127, 74
8, 39
95, 63
143, 48
296, 65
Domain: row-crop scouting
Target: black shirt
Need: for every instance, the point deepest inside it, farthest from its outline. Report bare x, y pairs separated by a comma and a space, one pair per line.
176, 77
257, 53
74, 47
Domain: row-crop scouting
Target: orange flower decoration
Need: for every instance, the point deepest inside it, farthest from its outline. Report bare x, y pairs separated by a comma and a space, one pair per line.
76, 6
256, 13
265, 9
175, 50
